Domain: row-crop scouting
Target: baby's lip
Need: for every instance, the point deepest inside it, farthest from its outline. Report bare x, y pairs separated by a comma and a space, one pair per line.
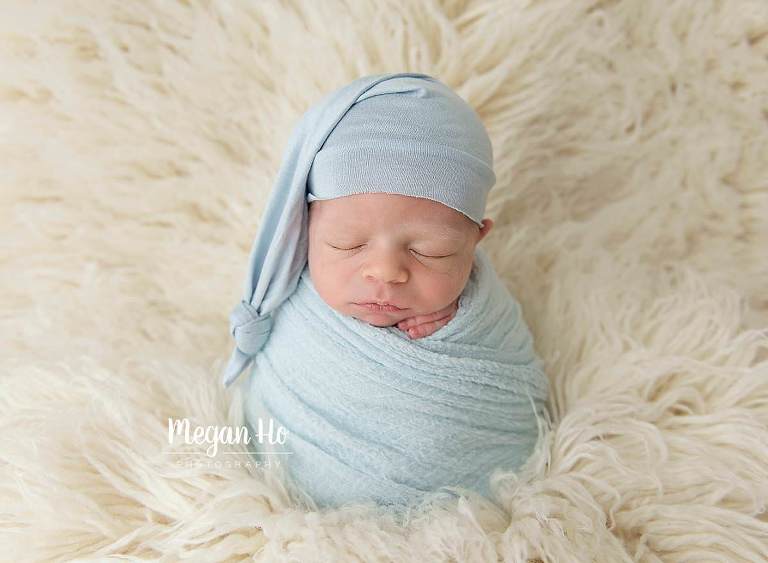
381, 303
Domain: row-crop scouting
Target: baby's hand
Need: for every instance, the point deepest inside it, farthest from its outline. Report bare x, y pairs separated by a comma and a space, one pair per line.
424, 325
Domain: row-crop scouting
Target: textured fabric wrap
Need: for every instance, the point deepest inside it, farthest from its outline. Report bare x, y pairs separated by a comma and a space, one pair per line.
372, 415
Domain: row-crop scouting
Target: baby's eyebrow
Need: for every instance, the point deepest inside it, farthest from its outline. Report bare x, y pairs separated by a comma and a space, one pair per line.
442, 231
445, 231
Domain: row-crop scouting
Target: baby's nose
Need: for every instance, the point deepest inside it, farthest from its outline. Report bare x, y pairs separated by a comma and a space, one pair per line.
386, 268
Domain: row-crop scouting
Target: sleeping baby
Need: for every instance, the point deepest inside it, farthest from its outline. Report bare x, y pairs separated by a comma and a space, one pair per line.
378, 333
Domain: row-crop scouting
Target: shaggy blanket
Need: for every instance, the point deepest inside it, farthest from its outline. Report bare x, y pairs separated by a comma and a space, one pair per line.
372, 414
138, 144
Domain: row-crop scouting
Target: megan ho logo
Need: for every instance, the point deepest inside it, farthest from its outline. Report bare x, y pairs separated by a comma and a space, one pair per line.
270, 433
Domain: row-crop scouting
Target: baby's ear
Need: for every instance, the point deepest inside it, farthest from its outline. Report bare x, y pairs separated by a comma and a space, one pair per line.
487, 226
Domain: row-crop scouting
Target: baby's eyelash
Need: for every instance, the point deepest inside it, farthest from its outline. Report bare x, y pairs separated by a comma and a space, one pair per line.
427, 256
414, 251
353, 248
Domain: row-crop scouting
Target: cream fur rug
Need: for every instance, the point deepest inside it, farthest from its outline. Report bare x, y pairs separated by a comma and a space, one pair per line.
138, 143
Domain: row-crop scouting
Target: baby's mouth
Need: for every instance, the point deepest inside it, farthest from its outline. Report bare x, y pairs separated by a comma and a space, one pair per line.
380, 307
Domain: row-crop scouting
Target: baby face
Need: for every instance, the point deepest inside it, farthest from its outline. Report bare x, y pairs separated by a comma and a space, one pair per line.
411, 252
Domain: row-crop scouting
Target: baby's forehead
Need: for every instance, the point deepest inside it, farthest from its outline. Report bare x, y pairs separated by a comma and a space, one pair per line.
386, 208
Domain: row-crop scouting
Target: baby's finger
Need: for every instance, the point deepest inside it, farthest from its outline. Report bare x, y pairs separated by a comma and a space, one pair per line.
425, 329
421, 319
417, 320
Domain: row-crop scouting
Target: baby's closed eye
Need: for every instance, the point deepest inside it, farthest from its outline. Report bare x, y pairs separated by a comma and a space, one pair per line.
420, 251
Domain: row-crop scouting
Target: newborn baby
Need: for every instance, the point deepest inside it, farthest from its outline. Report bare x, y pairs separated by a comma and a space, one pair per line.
378, 332
412, 254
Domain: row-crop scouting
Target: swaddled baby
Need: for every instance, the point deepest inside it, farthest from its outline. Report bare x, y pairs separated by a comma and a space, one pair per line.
379, 334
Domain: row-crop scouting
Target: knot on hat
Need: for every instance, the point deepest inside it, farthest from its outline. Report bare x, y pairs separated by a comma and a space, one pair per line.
250, 329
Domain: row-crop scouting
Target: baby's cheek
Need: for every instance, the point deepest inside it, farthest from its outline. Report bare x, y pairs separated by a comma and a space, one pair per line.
325, 282
438, 292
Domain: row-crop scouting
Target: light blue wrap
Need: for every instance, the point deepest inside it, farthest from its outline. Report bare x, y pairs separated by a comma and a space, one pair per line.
374, 415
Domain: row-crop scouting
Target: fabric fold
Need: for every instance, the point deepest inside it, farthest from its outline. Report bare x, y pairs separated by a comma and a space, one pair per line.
374, 415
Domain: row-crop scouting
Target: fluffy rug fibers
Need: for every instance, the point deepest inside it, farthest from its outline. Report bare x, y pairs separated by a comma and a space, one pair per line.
138, 144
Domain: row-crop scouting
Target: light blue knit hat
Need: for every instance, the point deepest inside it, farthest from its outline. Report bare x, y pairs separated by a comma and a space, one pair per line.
400, 133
